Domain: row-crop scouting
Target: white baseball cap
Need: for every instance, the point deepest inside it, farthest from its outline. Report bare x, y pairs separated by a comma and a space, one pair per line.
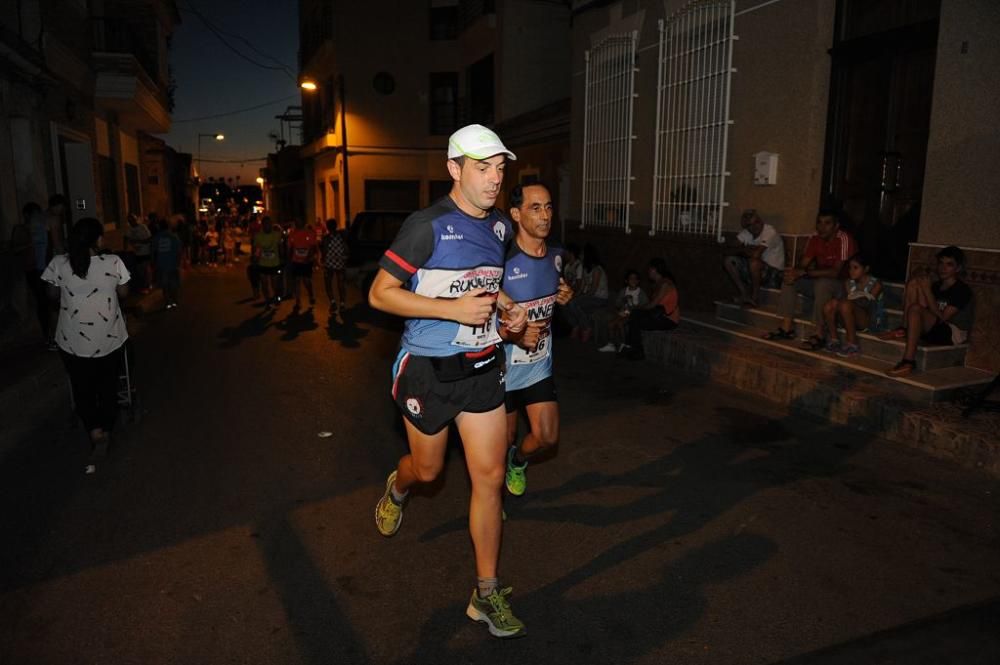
477, 142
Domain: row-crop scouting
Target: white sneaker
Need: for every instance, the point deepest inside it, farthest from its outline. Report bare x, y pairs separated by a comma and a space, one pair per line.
608, 348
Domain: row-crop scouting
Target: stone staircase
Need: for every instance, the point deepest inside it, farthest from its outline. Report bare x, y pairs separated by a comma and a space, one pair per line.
916, 410
940, 371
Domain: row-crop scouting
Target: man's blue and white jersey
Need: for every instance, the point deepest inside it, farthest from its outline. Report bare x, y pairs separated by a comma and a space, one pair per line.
532, 282
441, 252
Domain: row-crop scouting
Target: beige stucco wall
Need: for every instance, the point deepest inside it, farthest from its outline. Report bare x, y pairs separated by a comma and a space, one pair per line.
779, 104
534, 58
962, 183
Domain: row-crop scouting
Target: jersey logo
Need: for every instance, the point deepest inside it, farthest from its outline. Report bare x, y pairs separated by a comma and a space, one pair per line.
500, 230
451, 235
517, 274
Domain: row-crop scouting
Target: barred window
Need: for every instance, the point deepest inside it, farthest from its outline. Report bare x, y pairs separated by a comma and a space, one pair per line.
607, 132
692, 118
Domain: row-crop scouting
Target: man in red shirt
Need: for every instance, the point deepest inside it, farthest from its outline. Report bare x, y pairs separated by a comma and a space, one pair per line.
818, 277
302, 250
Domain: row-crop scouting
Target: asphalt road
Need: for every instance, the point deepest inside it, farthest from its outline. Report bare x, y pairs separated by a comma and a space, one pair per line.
679, 522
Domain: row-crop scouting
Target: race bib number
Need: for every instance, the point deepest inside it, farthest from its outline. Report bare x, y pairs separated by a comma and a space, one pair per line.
478, 336
524, 357
539, 310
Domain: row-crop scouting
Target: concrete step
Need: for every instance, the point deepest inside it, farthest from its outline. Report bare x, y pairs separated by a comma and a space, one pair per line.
890, 351
911, 411
923, 386
768, 299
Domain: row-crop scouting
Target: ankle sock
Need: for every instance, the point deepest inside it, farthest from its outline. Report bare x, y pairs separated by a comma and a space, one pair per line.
486, 585
396, 497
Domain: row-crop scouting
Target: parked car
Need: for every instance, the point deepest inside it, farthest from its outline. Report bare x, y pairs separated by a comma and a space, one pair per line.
369, 235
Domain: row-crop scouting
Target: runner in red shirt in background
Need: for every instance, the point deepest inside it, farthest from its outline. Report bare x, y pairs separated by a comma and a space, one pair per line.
302, 250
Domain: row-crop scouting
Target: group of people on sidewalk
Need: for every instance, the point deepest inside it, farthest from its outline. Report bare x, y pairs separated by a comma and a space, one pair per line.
837, 283
616, 323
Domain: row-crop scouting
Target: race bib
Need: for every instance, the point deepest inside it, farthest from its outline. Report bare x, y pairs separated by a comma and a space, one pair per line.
268, 254
538, 310
301, 252
524, 357
478, 336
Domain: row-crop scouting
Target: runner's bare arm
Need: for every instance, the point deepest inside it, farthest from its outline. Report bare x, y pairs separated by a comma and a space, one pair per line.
514, 316
388, 295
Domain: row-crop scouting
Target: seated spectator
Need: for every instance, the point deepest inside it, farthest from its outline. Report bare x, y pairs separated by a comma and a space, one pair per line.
590, 297
572, 267
862, 309
938, 312
818, 278
759, 260
630, 297
661, 312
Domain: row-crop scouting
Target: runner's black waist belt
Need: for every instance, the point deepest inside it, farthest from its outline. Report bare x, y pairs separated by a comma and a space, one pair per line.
463, 365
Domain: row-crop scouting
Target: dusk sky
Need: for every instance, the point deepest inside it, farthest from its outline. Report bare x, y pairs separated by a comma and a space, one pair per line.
213, 80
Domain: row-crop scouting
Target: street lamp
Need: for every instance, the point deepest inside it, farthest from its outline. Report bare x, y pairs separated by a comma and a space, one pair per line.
310, 86
218, 136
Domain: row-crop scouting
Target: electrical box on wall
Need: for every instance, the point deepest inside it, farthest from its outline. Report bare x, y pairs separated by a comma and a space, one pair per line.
765, 168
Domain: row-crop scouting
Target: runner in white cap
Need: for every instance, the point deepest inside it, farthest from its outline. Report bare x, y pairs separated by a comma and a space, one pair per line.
443, 274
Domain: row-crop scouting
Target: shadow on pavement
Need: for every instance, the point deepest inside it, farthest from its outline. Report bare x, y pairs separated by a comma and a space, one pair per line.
684, 490
321, 629
255, 326
343, 327
967, 635
297, 322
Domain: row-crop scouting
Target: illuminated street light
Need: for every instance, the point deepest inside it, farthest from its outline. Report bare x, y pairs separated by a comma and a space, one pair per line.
308, 84
260, 181
218, 136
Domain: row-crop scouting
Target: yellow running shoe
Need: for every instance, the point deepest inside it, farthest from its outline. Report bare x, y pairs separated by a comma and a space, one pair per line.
494, 610
388, 513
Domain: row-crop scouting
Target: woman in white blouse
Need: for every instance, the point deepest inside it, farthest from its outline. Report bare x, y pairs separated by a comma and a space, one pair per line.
91, 330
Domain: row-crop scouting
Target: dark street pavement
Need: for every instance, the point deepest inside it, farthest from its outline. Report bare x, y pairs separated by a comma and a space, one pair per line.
679, 522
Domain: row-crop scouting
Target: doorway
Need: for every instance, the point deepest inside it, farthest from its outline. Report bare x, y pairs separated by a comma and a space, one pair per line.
882, 84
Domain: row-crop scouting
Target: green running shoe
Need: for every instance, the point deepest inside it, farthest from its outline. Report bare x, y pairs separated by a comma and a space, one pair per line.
516, 479
388, 514
495, 611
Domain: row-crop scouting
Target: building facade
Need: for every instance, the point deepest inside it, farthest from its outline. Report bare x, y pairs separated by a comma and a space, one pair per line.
882, 108
382, 112
81, 83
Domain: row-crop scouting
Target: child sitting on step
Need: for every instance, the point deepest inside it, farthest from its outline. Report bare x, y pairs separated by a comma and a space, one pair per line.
862, 309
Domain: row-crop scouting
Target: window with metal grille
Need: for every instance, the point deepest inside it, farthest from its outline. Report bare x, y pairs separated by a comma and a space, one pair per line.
443, 103
609, 94
692, 118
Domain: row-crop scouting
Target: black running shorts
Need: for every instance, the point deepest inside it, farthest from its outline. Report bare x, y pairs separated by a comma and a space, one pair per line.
539, 391
430, 404
302, 269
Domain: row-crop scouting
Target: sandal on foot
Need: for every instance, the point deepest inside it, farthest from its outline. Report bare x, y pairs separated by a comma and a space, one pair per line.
814, 343
896, 333
780, 333
902, 368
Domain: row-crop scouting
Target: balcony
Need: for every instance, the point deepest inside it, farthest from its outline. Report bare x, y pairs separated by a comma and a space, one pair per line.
128, 75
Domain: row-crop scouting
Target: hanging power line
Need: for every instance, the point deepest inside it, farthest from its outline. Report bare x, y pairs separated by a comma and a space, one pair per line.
237, 111
219, 34
234, 161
